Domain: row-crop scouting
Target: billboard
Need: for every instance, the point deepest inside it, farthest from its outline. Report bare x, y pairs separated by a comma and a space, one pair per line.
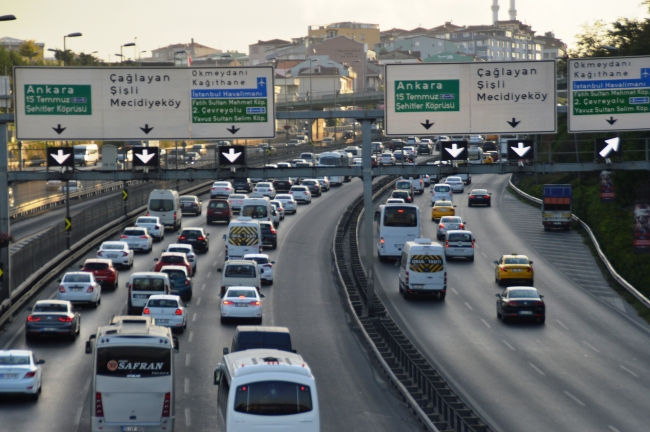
607, 193
641, 227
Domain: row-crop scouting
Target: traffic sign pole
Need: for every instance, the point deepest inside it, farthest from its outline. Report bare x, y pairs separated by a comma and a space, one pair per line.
5, 257
67, 213
368, 214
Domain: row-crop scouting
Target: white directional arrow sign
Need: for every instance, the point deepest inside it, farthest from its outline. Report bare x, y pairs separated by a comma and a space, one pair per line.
60, 157
454, 151
612, 145
231, 155
520, 149
145, 156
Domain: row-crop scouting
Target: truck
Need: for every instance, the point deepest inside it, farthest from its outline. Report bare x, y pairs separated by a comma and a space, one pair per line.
556, 206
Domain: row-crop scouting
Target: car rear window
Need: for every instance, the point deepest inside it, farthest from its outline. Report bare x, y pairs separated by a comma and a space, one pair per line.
259, 260
132, 232
523, 294
218, 205
441, 188
479, 192
179, 250
162, 303
457, 237
148, 284
451, 219
50, 307
175, 274
112, 246
246, 271
516, 261
172, 259
14, 360
96, 266
192, 233
146, 220
161, 205
76, 278
443, 204
236, 293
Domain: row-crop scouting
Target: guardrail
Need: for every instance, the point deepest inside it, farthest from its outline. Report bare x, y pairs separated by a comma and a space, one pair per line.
618, 278
426, 393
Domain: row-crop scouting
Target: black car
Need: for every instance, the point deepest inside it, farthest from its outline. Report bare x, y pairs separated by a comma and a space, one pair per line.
479, 196
424, 148
313, 185
489, 146
395, 144
53, 318
349, 135
282, 184
196, 237
260, 337
191, 204
242, 184
269, 235
406, 195
521, 303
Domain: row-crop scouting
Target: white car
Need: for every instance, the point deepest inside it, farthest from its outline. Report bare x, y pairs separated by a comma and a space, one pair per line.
187, 249
301, 193
324, 183
459, 244
275, 215
456, 183
168, 311
288, 202
387, 159
278, 207
264, 189
357, 162
236, 201
221, 189
427, 180
264, 265
241, 302
283, 165
118, 252
395, 201
410, 151
153, 225
137, 239
449, 223
80, 287
20, 373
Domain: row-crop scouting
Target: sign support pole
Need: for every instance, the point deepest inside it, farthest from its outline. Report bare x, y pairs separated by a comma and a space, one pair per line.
67, 212
368, 214
5, 256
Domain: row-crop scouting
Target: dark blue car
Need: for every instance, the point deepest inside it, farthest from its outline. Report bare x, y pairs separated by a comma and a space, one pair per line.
180, 281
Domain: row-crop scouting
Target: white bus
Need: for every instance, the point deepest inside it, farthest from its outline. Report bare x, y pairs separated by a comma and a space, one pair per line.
133, 376
396, 224
336, 159
266, 390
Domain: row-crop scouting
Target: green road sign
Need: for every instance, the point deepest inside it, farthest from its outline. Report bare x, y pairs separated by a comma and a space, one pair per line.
611, 101
58, 99
229, 111
427, 95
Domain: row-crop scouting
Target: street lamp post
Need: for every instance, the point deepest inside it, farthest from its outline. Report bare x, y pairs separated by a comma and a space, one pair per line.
122, 46
7, 17
65, 58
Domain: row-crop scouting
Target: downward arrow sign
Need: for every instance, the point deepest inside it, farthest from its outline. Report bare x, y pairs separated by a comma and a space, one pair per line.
146, 129
145, 156
612, 145
454, 151
513, 123
611, 120
58, 129
427, 125
233, 130
231, 155
60, 157
520, 149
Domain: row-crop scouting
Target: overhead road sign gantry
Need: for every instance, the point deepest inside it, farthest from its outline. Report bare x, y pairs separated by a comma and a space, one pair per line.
231, 156
459, 98
84, 103
609, 94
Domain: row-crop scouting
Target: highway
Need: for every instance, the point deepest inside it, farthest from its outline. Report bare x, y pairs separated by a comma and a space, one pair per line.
354, 395
586, 369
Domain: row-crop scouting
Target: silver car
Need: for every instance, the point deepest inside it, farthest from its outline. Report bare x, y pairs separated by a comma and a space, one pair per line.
80, 287
459, 244
449, 223
457, 184
153, 225
137, 239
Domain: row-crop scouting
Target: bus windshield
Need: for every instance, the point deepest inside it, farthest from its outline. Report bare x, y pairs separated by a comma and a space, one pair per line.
329, 161
273, 398
134, 361
400, 217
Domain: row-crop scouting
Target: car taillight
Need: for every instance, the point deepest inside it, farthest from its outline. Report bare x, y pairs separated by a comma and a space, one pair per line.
462, 226
538, 303
99, 253
146, 311
61, 288
213, 188
267, 266
291, 192
99, 407
255, 189
147, 214
472, 244
472, 196
181, 237
201, 238
446, 243
65, 319
125, 253
157, 226
503, 269
33, 318
227, 188
178, 312
530, 270
255, 303
123, 236
407, 277
144, 237
167, 405
174, 215
90, 289
228, 302
381, 240
30, 375
273, 231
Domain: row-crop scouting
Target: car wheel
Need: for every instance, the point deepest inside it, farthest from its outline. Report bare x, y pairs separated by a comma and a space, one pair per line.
498, 314
541, 320
441, 296
35, 396
503, 318
222, 320
471, 259
275, 245
532, 283
95, 304
270, 282
29, 337
489, 205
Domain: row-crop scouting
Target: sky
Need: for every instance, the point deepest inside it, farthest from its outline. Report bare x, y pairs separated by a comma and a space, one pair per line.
233, 25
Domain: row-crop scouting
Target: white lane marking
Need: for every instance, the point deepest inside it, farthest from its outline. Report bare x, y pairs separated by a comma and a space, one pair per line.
485, 322
13, 338
187, 359
539, 371
612, 428
203, 287
467, 304
590, 346
575, 399
209, 274
77, 418
215, 264
52, 296
189, 339
198, 302
194, 317
508, 345
188, 420
629, 371
186, 387
220, 254
483, 253
80, 410
455, 292
562, 324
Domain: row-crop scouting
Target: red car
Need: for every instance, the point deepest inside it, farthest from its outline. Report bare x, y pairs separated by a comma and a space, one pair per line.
103, 270
219, 210
173, 259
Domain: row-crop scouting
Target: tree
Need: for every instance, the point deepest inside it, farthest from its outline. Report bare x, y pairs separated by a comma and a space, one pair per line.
87, 60
29, 49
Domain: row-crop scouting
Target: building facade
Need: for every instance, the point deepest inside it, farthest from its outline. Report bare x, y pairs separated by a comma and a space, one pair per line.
364, 33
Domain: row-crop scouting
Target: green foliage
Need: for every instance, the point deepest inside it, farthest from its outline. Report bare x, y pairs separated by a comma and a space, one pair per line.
29, 49
332, 122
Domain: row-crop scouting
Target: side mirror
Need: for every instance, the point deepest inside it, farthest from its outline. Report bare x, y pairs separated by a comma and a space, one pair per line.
223, 238
272, 262
464, 223
497, 295
262, 296
155, 259
496, 262
208, 234
530, 262
294, 351
225, 350
58, 280
89, 344
217, 375
177, 345
41, 361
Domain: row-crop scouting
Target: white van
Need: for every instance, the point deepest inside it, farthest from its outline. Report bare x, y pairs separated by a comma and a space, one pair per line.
85, 154
166, 205
354, 150
441, 191
141, 286
422, 269
244, 236
417, 182
257, 208
240, 273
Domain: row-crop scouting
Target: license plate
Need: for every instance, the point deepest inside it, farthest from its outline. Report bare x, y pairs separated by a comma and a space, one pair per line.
399, 246
141, 296
75, 289
459, 250
241, 305
525, 312
8, 376
162, 321
48, 329
517, 270
111, 256
417, 286
132, 428
556, 223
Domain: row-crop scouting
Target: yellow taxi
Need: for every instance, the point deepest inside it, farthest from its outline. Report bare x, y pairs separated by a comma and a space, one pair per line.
513, 268
442, 208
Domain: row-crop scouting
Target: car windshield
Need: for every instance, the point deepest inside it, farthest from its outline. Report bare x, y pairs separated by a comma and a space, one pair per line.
76, 278
516, 261
50, 307
523, 294
96, 266
246, 271
112, 246
165, 303
455, 237
237, 293
14, 360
